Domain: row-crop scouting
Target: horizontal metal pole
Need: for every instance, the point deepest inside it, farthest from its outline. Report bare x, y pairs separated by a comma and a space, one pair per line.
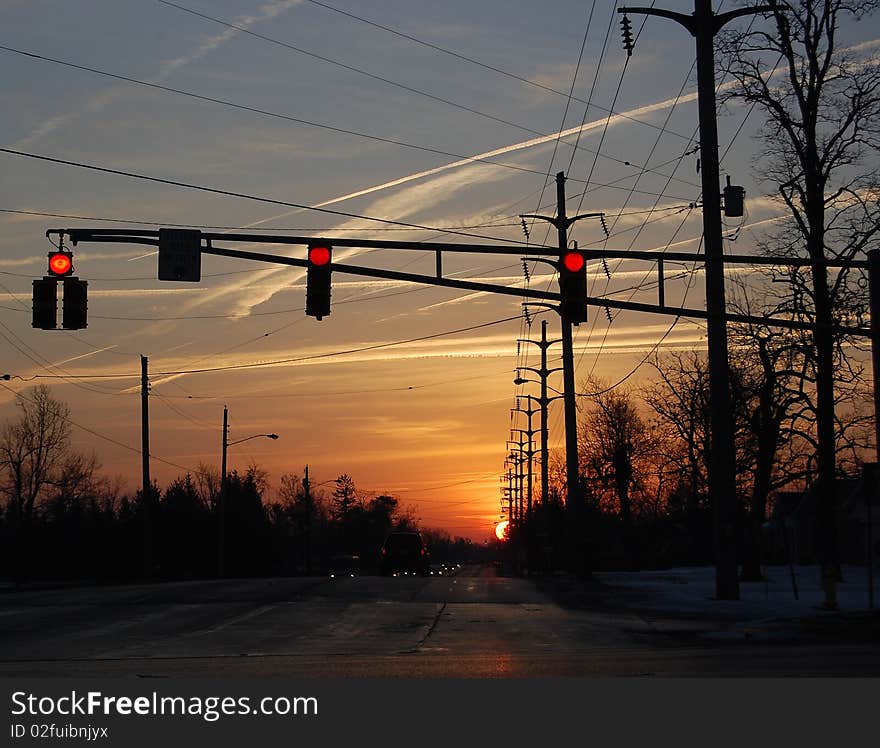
654, 256
120, 234
388, 274
75, 238
790, 324
151, 238
126, 235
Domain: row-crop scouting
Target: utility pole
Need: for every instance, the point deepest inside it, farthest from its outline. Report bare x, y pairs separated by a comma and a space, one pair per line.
517, 460
543, 401
574, 499
146, 485
530, 432
307, 497
870, 486
511, 499
571, 456
522, 462
703, 25
221, 503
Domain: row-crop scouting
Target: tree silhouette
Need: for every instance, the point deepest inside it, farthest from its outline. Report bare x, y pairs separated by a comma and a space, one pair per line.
821, 112
617, 449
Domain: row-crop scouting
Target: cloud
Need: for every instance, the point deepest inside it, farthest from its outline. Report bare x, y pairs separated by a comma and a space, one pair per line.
254, 290
99, 101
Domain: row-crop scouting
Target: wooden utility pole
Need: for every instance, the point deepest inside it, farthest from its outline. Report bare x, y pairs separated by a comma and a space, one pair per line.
871, 486
221, 502
703, 25
146, 485
307, 498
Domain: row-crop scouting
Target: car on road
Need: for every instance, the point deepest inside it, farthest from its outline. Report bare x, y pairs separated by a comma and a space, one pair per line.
404, 552
344, 565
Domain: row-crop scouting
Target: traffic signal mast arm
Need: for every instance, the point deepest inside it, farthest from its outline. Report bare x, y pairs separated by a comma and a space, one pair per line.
151, 238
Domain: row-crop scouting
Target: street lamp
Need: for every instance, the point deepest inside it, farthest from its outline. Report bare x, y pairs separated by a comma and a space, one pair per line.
221, 519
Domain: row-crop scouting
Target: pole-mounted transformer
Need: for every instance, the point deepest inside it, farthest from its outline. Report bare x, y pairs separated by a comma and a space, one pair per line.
734, 199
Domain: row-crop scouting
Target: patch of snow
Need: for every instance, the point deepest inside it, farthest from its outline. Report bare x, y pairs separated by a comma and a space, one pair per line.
691, 591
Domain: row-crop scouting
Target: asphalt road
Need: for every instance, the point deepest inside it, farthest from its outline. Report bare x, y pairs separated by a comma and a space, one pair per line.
474, 624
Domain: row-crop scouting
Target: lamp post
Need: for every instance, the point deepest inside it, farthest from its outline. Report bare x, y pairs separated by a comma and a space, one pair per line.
221, 517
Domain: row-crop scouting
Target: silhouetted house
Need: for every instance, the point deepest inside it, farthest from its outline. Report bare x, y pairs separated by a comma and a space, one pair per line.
791, 531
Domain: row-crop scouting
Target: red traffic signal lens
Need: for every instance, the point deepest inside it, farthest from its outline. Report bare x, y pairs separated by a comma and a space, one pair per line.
60, 263
319, 255
573, 261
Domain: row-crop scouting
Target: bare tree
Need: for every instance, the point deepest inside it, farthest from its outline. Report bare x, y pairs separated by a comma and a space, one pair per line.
680, 399
821, 107
207, 481
771, 366
616, 447
32, 447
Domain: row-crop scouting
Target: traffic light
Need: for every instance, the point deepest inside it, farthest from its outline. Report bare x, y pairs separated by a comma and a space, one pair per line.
60, 264
75, 307
45, 298
318, 280
180, 255
45, 304
573, 286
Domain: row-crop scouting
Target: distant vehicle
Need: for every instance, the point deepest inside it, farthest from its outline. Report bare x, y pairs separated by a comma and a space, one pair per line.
404, 553
344, 566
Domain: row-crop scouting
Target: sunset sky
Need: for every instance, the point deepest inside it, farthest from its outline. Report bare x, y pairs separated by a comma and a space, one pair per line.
425, 421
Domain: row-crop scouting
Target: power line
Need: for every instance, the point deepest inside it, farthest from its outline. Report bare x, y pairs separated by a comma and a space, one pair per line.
344, 66
479, 63
266, 112
168, 224
645, 223
277, 362
230, 193
361, 349
368, 74
648, 355
526, 333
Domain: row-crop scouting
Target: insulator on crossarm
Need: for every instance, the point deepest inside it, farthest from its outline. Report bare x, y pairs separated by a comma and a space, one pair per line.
626, 32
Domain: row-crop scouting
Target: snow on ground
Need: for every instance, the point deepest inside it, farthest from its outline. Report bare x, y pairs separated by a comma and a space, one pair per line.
691, 591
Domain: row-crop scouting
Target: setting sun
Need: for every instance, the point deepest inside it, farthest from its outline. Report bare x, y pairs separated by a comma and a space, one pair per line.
501, 530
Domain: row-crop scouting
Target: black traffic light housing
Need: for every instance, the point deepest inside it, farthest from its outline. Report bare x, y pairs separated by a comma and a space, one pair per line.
572, 268
45, 295
45, 304
74, 311
318, 280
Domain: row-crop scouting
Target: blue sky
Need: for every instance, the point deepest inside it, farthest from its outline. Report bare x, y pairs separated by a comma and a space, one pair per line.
449, 430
